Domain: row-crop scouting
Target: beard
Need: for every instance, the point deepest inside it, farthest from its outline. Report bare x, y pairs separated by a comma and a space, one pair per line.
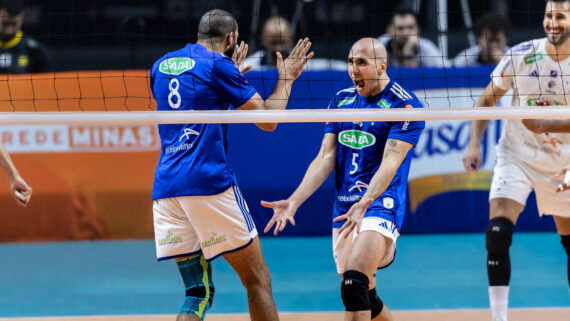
558, 41
230, 51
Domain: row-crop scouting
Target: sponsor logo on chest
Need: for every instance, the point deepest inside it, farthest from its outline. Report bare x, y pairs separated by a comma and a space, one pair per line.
356, 139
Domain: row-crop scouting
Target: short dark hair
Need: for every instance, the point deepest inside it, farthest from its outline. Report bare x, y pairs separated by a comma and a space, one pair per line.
216, 24
493, 22
404, 11
13, 7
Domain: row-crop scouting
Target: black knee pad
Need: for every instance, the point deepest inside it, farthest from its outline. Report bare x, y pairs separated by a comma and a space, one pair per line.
499, 235
376, 305
354, 291
565, 240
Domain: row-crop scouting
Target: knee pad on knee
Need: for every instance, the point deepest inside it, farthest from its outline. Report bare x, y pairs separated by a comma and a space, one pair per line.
499, 235
354, 291
196, 273
565, 240
376, 305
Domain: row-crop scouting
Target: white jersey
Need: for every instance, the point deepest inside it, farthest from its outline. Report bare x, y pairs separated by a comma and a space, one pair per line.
533, 75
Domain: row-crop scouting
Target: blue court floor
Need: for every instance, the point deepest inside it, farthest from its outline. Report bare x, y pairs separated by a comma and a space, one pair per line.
123, 277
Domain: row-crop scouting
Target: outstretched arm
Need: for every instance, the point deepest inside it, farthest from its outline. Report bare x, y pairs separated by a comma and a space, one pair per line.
21, 190
541, 126
289, 70
321, 167
394, 154
472, 158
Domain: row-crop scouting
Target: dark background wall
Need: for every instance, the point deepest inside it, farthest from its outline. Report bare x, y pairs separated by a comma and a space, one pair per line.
120, 34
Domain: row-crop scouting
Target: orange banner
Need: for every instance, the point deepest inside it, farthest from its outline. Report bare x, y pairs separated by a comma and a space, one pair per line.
77, 91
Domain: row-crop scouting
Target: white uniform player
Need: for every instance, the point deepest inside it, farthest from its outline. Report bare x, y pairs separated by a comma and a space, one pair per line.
526, 160
532, 154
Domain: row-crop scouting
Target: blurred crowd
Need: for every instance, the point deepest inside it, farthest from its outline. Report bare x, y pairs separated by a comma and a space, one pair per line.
406, 44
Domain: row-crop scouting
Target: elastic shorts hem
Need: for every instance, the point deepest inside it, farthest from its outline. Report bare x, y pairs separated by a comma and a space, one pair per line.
507, 196
231, 251
177, 256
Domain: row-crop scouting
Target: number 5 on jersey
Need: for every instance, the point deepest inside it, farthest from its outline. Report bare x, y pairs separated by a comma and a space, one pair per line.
354, 163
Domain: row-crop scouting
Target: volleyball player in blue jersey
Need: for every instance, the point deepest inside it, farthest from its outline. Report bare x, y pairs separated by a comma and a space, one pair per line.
371, 162
199, 212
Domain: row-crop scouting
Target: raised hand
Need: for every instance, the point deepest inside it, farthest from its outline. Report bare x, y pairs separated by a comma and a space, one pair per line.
239, 56
21, 191
283, 212
291, 68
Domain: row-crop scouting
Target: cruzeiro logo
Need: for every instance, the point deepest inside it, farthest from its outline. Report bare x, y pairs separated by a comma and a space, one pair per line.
176, 66
356, 139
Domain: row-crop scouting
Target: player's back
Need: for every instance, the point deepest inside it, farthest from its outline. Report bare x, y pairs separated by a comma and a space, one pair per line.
194, 159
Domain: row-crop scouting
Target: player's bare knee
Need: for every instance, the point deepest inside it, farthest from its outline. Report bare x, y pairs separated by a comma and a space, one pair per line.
257, 278
354, 291
499, 235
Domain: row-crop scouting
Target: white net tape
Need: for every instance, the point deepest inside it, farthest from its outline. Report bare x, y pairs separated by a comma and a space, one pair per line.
281, 116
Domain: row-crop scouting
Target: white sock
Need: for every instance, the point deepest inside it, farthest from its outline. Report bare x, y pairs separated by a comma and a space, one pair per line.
499, 299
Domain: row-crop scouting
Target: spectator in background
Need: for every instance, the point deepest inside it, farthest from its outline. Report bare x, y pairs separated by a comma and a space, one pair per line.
277, 36
18, 53
491, 30
404, 45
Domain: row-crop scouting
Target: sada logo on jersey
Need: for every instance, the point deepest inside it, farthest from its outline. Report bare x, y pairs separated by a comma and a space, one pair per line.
356, 139
176, 66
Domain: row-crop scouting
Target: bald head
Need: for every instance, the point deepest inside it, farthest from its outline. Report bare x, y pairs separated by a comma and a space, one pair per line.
277, 26
216, 24
367, 67
369, 48
276, 36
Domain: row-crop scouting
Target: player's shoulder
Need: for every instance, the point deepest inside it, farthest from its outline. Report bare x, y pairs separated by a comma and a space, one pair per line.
398, 96
526, 52
344, 97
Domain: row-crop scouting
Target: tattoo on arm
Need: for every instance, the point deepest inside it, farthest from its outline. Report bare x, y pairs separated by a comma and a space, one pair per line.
392, 143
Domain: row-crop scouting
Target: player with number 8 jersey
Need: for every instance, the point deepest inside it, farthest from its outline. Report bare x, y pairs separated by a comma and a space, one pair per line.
199, 212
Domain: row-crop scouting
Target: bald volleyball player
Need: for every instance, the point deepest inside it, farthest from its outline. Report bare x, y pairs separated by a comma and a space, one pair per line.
371, 162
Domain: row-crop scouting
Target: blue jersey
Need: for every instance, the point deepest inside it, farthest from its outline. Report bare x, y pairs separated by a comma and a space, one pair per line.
193, 158
360, 149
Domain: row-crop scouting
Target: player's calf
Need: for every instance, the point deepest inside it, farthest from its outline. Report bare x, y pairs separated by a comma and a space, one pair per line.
565, 239
196, 273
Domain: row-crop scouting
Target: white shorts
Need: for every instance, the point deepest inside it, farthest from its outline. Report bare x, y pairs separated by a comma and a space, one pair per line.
211, 224
515, 180
342, 246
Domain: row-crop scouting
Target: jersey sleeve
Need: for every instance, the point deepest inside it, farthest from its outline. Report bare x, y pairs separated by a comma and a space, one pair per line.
503, 74
230, 83
407, 131
331, 127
